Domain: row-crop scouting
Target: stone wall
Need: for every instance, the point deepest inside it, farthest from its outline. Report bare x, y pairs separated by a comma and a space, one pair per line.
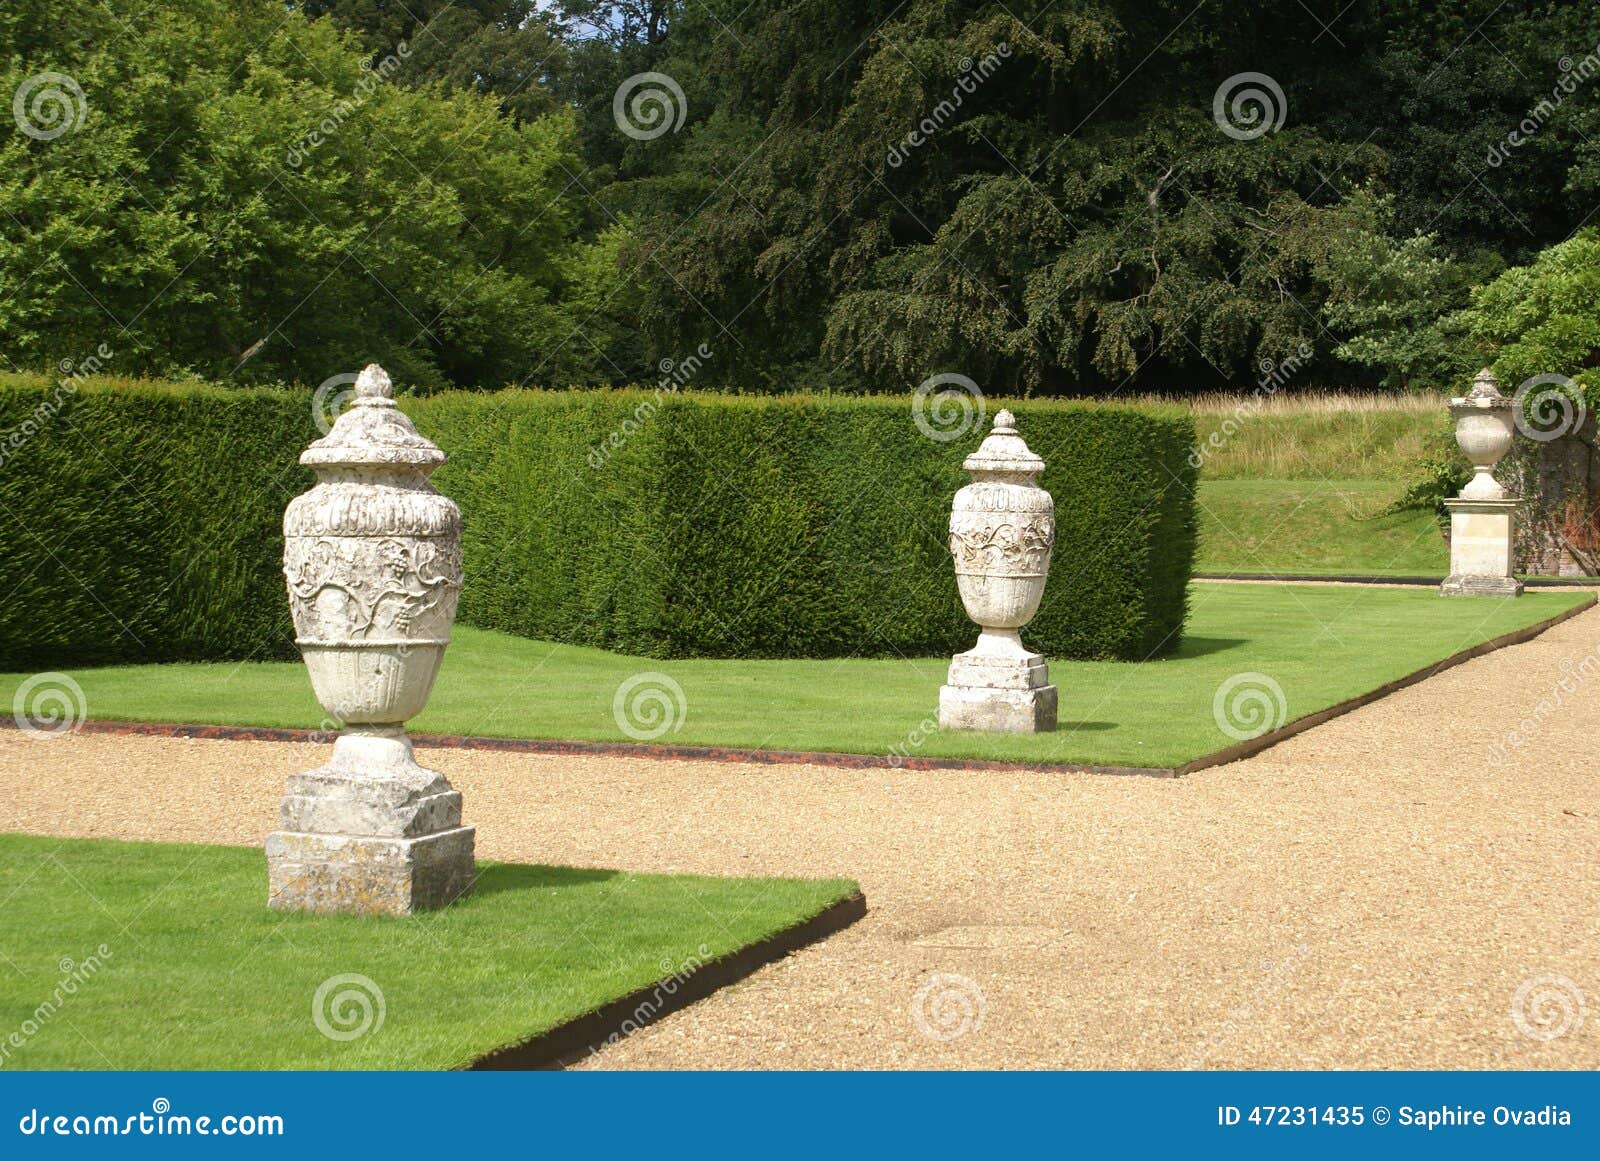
1559, 532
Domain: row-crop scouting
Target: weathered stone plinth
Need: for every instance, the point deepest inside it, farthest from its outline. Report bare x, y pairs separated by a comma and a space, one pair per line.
370, 833
1006, 692
1482, 532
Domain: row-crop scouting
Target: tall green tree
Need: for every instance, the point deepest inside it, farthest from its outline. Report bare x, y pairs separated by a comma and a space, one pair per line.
248, 197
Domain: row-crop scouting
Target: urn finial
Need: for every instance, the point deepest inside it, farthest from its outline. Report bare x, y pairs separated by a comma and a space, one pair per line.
1003, 450
374, 383
1485, 385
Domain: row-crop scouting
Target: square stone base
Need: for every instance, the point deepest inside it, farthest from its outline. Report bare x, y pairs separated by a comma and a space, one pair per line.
368, 875
1475, 585
1009, 711
1481, 536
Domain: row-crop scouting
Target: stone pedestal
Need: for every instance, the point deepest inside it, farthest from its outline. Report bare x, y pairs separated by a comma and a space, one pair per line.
371, 833
1481, 536
1006, 691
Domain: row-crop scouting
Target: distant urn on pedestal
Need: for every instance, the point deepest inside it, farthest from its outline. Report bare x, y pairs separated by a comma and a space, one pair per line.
1002, 531
372, 556
1483, 517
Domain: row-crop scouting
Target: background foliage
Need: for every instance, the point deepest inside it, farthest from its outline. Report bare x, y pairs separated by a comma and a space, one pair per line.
1077, 224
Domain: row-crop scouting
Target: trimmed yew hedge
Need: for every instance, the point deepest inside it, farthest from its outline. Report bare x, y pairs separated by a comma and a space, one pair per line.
143, 523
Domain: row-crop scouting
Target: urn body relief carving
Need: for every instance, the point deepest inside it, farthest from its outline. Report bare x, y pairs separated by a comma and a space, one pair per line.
372, 562
1002, 533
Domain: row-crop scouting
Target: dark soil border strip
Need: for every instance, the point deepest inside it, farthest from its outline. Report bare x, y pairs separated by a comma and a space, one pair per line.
835, 758
608, 749
1540, 582
1301, 725
570, 1042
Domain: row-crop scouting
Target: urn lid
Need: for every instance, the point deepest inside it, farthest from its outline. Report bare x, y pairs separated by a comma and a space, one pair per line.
1003, 450
373, 431
1485, 393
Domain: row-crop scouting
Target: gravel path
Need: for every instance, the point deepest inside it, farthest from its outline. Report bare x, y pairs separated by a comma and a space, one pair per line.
1371, 894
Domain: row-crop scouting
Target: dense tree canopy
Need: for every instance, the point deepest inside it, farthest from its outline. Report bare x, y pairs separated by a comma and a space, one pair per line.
845, 194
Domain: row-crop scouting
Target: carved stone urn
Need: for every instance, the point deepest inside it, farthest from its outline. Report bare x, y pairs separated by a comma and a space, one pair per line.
1483, 517
1002, 530
372, 556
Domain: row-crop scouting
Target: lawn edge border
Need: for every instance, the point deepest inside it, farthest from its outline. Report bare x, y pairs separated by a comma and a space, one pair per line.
1253, 746
583, 1036
844, 759
1311, 578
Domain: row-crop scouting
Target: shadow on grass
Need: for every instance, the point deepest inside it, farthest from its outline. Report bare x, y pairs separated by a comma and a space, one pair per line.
496, 877
1202, 646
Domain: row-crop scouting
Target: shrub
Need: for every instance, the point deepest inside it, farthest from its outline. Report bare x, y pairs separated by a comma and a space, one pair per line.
146, 523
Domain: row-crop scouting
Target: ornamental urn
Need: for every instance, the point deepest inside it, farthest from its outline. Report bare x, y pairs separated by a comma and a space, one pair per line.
1483, 518
1485, 426
1002, 531
372, 557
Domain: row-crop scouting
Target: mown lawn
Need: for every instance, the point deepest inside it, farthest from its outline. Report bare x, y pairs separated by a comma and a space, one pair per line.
1310, 526
164, 956
1318, 645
